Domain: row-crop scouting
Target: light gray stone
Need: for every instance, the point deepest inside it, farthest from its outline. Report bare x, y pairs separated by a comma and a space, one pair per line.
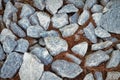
39, 4
98, 75
112, 39
101, 45
18, 4
96, 58
89, 76
2, 54
118, 46
69, 30
11, 65
89, 4
55, 45
59, 20
41, 42
34, 46
80, 48
53, 5
96, 8
74, 18
66, 69
47, 75
69, 8
31, 68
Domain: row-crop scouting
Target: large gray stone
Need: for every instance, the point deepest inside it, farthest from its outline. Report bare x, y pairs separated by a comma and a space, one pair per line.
66, 69
40, 4
2, 54
89, 76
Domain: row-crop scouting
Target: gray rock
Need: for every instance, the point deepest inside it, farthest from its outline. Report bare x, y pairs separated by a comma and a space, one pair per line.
53, 5
41, 42
114, 60
42, 54
31, 68
89, 4
112, 39
118, 46
101, 32
85, 15
2, 54
15, 18
69, 30
18, 4
90, 33
59, 20
40, 4
112, 16
96, 8
44, 19
11, 65
24, 23
113, 75
34, 46
109, 51
22, 46
74, 18
74, 58
47, 75
1, 7
101, 45
55, 45
69, 8
104, 2
98, 75
66, 69
96, 58
17, 30
89, 76
80, 48
9, 45
34, 31
27, 10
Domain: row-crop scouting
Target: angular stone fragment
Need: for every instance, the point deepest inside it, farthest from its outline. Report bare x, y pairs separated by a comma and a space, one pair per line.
17, 30
59, 20
118, 46
114, 60
69, 8
2, 54
74, 18
47, 75
9, 44
66, 69
85, 15
27, 10
96, 58
42, 54
101, 45
44, 19
40, 4
69, 30
90, 33
98, 75
96, 8
53, 5
113, 75
89, 76
22, 46
11, 65
89, 3
80, 48
55, 45
31, 68
34, 31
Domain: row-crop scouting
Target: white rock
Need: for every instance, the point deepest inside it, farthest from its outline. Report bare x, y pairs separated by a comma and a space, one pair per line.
89, 76
96, 8
89, 3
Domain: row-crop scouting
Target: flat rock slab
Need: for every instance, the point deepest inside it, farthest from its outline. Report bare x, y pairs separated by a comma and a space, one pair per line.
66, 69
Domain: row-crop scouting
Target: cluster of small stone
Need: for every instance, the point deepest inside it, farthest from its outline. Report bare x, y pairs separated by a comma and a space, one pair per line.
29, 58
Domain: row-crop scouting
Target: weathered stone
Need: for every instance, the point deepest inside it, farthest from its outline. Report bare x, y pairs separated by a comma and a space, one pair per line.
74, 18
44, 19
101, 45
42, 54
53, 5
114, 60
89, 4
66, 69
59, 20
85, 15
69, 8
40, 4
80, 48
90, 33
69, 30
55, 45
31, 68
96, 58
22, 46
47, 75
89, 76
118, 46
11, 65
98, 75
96, 8
2, 54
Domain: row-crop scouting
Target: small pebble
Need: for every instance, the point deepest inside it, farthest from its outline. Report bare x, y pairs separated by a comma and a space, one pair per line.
89, 76
96, 8
39, 4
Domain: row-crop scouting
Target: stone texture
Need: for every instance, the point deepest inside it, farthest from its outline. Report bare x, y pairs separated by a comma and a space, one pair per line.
74, 18
112, 39
118, 46
109, 51
69, 30
89, 4
47, 75
114, 60
44, 19
41, 42
80, 48
96, 8
39, 4
31, 68
97, 17
101, 45
2, 54
89, 76
98, 75
59, 20
11, 65
55, 45
85, 15
104, 2
96, 58
66, 69
69, 8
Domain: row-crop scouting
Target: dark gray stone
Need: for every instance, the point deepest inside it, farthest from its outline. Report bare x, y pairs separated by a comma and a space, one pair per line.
40, 4
2, 54
41, 42
1, 6
74, 18
104, 2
